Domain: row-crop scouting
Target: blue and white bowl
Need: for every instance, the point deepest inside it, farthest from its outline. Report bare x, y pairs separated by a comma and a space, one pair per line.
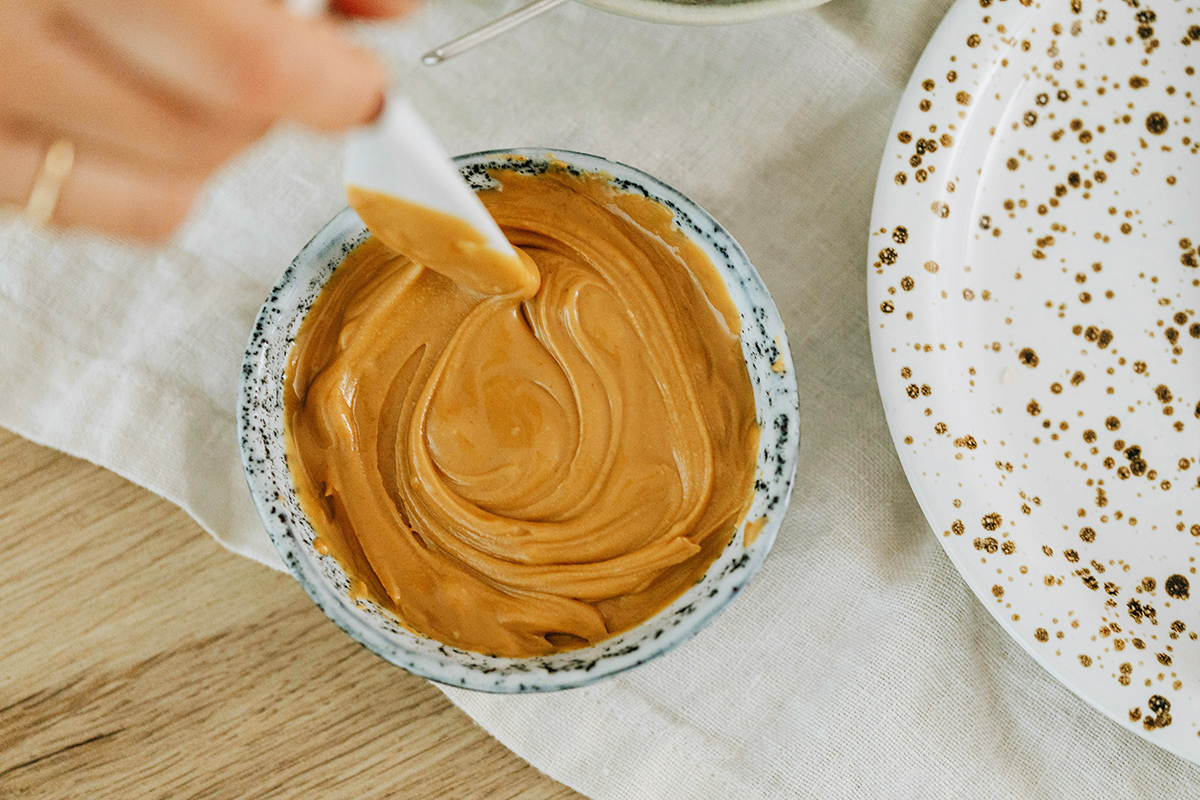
260, 432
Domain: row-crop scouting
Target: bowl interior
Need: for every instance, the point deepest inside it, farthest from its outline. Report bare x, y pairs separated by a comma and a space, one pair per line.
260, 430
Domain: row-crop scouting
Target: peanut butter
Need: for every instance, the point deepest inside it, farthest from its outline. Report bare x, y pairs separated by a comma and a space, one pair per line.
444, 243
518, 475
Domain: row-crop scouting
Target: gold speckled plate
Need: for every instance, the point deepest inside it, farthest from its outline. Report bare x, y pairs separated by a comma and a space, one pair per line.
1035, 319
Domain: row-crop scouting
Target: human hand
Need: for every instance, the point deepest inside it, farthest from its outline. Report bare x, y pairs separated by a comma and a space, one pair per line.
156, 94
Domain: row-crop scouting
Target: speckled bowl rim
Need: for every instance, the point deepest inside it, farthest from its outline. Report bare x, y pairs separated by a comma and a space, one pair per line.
708, 14
677, 623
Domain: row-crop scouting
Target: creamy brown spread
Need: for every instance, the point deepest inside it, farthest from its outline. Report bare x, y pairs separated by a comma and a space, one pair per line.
522, 476
444, 243
752, 530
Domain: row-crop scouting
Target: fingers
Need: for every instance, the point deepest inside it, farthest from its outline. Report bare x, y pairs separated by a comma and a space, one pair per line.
311, 74
156, 94
52, 91
238, 58
100, 193
375, 9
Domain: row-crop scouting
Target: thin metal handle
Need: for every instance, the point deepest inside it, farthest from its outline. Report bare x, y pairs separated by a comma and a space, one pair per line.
489, 31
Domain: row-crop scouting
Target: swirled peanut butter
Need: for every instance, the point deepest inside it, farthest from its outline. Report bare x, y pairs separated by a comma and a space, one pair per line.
444, 243
518, 476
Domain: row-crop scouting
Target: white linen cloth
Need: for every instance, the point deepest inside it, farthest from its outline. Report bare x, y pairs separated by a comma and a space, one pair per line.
857, 663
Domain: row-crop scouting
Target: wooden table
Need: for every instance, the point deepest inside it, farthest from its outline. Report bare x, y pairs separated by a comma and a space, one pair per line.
140, 659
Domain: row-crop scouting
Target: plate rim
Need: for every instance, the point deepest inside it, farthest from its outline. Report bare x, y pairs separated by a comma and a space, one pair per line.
936, 51
695, 14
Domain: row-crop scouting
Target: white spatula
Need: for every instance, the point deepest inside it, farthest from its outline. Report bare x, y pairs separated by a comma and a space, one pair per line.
405, 188
401, 182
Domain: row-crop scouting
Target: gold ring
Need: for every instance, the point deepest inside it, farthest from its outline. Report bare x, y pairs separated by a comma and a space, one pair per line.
43, 197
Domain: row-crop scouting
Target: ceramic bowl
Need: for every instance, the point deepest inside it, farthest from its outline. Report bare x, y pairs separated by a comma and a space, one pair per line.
702, 12
260, 431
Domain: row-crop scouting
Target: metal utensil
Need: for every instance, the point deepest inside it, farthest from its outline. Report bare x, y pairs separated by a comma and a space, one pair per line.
488, 31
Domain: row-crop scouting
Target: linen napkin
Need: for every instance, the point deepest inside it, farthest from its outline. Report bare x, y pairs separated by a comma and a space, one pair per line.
857, 663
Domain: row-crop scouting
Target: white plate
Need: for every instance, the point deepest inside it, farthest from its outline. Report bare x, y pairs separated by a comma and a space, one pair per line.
1035, 319
703, 12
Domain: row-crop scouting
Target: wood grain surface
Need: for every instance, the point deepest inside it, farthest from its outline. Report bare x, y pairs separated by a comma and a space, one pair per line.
140, 659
